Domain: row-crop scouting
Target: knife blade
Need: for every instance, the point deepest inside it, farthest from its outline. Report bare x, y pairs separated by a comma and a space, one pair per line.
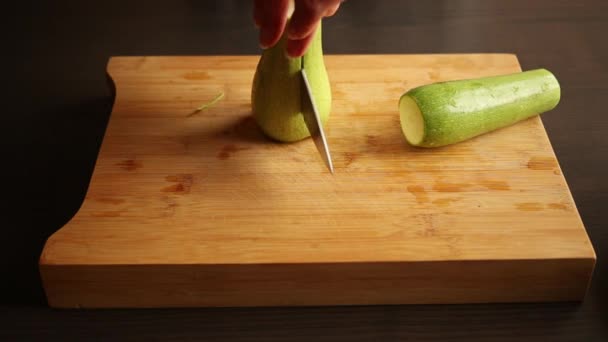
313, 121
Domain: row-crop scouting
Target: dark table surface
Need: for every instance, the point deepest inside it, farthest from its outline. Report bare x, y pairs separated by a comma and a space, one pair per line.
56, 106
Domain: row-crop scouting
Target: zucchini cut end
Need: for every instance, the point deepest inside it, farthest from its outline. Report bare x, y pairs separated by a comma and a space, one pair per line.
412, 120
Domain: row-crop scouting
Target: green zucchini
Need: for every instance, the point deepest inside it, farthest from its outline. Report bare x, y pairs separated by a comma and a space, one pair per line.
446, 113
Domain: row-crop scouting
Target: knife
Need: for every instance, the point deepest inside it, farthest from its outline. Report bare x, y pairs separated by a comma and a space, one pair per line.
313, 121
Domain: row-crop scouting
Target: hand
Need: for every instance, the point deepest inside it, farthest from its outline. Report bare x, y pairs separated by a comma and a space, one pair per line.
271, 17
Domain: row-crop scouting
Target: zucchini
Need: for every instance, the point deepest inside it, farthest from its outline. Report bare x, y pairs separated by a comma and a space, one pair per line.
446, 113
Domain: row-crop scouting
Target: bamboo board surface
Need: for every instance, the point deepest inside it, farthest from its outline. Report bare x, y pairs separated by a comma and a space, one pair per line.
200, 209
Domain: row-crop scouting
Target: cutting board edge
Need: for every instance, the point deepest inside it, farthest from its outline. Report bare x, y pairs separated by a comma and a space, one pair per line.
489, 53
97, 286
566, 185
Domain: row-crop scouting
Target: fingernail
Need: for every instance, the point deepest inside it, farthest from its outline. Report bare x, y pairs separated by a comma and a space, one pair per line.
289, 55
293, 50
291, 34
265, 38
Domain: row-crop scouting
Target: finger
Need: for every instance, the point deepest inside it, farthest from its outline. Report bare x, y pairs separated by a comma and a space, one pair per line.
271, 17
307, 15
258, 6
304, 20
296, 48
332, 10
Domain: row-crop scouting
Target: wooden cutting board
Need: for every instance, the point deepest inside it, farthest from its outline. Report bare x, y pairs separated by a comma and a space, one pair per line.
193, 208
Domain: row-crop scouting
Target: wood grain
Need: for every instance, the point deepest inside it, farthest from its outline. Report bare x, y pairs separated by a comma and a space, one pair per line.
202, 210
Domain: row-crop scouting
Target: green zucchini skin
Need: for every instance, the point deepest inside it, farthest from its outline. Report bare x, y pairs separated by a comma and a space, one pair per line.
455, 111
